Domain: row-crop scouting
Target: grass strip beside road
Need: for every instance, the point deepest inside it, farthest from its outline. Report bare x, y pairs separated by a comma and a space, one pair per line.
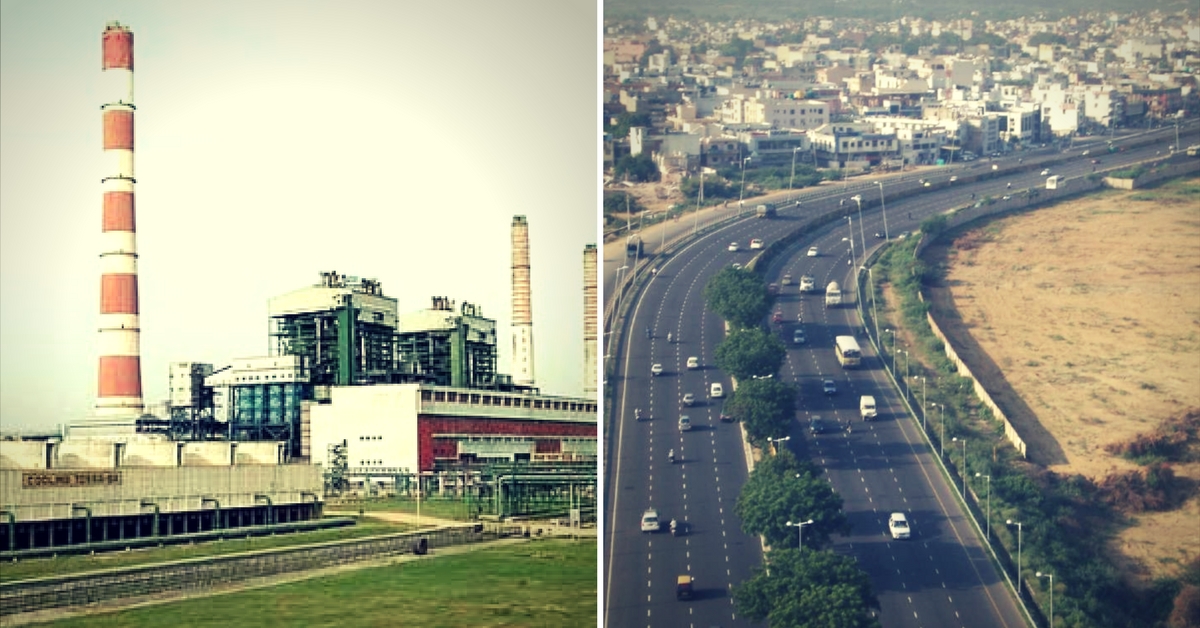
539, 583
72, 564
458, 510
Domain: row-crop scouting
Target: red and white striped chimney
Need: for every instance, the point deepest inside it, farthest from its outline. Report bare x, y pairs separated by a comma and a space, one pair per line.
119, 393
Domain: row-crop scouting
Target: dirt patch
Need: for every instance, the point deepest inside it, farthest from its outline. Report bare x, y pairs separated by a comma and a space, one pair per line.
1084, 318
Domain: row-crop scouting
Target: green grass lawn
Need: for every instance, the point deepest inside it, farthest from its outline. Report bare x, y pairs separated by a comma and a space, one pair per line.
540, 583
455, 509
43, 567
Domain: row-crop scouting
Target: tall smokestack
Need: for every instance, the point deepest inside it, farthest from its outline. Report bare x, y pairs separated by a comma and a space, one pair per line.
119, 394
522, 316
589, 321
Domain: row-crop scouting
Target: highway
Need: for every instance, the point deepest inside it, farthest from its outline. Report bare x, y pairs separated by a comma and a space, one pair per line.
943, 576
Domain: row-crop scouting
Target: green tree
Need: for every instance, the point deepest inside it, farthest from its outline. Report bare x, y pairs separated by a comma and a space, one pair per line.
1047, 38
624, 121
808, 589
639, 168
764, 406
783, 489
738, 296
714, 188
751, 352
620, 202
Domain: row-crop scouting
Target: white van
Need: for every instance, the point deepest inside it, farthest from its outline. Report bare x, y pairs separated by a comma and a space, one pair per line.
716, 391
866, 407
650, 520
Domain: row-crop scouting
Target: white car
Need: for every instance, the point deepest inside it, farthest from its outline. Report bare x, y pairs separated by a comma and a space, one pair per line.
685, 423
898, 526
1046, 172
813, 251
737, 266
733, 246
798, 337
953, 178
650, 520
656, 369
807, 283
787, 280
756, 243
693, 362
689, 399
716, 391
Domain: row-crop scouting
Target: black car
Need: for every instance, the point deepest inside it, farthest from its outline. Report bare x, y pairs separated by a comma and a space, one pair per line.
816, 425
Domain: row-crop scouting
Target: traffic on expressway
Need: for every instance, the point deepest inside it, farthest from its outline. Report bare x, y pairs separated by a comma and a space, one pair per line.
943, 575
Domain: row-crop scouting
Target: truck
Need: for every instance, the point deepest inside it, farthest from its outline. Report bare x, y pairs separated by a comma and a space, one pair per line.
633, 246
765, 210
833, 294
1052, 182
866, 407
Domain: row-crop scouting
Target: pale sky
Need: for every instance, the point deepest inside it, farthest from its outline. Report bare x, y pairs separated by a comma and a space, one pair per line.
275, 140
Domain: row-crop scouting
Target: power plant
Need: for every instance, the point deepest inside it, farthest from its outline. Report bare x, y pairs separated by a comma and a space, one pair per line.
353, 393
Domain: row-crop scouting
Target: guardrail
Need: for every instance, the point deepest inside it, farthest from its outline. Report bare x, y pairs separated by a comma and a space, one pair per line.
26, 596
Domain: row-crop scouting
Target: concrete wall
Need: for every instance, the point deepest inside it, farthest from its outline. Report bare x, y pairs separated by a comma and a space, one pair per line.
200, 454
43, 495
378, 423
84, 454
160, 453
263, 452
23, 454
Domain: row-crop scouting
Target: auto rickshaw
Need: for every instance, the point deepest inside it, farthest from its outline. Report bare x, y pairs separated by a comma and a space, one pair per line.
683, 588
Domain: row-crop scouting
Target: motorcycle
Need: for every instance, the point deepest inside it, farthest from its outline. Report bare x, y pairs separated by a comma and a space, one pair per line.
671, 456
668, 337
637, 414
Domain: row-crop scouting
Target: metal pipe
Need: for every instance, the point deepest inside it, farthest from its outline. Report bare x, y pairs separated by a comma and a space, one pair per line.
146, 502
87, 536
270, 508
217, 518
12, 530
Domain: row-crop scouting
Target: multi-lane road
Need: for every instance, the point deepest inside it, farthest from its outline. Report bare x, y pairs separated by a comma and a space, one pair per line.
943, 576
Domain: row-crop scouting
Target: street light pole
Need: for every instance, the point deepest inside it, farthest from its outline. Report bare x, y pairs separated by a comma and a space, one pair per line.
800, 532
862, 236
906, 361
871, 289
963, 470
699, 196
883, 209
742, 193
923, 406
893, 333
942, 420
1051, 577
989, 504
793, 177
1018, 524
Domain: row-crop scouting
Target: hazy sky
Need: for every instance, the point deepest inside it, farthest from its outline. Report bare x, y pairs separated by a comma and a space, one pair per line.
275, 140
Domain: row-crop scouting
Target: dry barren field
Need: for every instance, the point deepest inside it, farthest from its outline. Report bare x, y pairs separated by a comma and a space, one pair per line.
1087, 314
